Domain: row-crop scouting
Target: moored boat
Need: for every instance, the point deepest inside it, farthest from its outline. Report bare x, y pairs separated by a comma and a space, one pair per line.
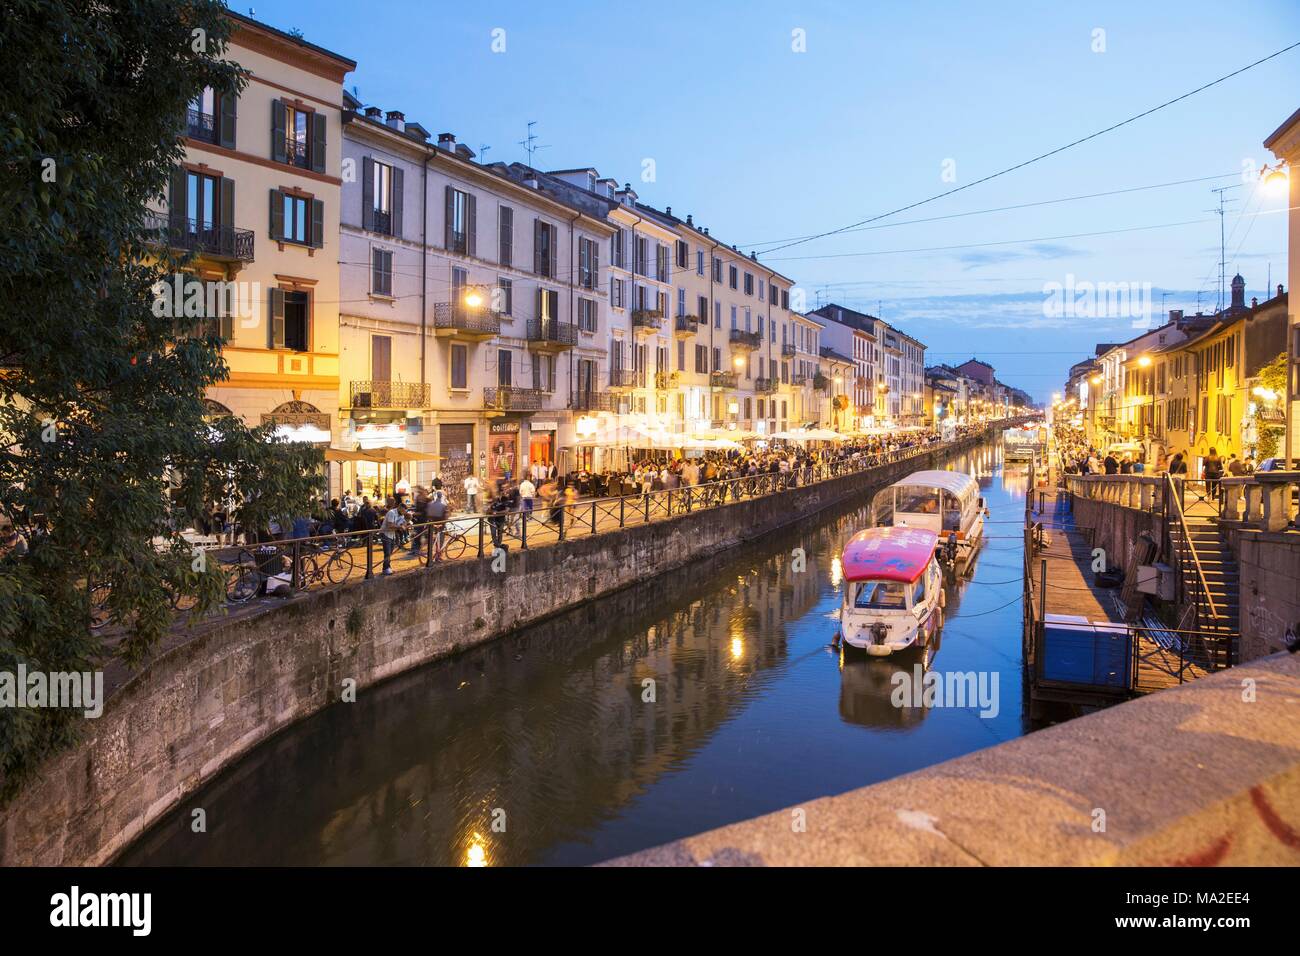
945, 502
893, 590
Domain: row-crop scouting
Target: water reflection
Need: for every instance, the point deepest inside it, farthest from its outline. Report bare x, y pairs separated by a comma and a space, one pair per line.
700, 698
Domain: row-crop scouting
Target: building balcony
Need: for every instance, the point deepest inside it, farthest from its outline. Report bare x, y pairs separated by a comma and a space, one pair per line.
455, 319
625, 378
594, 402
666, 380
200, 125
225, 243
787, 350
684, 326
646, 321
765, 385
745, 340
821, 383
722, 379
800, 381
510, 398
551, 335
372, 394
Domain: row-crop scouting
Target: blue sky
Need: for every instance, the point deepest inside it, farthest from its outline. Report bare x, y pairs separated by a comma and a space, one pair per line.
761, 143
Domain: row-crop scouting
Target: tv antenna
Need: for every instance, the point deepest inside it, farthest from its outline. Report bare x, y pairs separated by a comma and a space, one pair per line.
1223, 254
529, 143
482, 153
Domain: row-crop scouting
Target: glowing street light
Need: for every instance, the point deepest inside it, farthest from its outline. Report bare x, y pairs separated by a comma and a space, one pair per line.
1144, 361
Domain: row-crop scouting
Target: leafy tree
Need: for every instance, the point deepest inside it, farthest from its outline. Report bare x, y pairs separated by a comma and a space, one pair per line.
1272, 376
101, 400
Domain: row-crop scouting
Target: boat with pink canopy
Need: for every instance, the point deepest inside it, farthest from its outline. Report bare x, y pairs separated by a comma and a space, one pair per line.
893, 589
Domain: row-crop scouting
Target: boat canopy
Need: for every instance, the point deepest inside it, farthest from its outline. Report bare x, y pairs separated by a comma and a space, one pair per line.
888, 554
957, 483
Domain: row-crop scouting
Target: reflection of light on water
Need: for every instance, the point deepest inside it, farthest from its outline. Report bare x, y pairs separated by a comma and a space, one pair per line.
737, 648
837, 572
476, 855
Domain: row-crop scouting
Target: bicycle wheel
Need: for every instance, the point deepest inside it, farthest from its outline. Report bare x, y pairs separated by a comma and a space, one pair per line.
243, 579
339, 567
180, 600
310, 572
453, 546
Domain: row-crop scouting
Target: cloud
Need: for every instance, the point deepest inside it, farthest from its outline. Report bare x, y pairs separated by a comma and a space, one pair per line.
1037, 251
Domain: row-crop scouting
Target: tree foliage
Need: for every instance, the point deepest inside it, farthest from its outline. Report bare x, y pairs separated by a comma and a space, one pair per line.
100, 398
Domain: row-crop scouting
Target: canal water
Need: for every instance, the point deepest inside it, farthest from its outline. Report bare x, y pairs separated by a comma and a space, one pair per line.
542, 748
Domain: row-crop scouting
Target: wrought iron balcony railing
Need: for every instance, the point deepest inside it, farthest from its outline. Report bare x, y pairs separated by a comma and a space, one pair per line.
646, 319
457, 317
765, 385
787, 350
594, 402
511, 398
684, 326
746, 340
205, 239
552, 332
799, 381
723, 379
626, 378
373, 394
200, 125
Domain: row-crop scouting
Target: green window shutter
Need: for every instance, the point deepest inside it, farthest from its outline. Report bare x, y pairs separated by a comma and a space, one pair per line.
227, 203
395, 210
277, 214
176, 204
277, 132
226, 127
317, 238
367, 193
471, 213
318, 142
277, 318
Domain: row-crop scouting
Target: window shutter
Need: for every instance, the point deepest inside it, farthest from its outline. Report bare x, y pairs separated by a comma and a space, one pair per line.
552, 246
471, 213
595, 265
317, 223
277, 318
541, 308
226, 323
449, 216
537, 246
227, 203
537, 371
176, 204
367, 193
507, 243
277, 131
396, 203
277, 214
376, 271
226, 129
554, 300
318, 142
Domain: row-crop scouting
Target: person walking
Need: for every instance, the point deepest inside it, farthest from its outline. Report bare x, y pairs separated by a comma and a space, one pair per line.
527, 492
435, 512
471, 493
1212, 472
394, 522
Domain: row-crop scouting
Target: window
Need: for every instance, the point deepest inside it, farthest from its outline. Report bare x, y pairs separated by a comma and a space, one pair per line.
544, 248
699, 262
683, 255
290, 320
381, 272
681, 355
297, 135
210, 117
503, 368
201, 202
459, 224
661, 262
760, 288
702, 310
681, 302
749, 283
717, 359
618, 249
717, 315
297, 218
616, 294
505, 235
733, 275
717, 269
381, 199
459, 365
773, 295
588, 263
505, 296
701, 358
587, 315
785, 299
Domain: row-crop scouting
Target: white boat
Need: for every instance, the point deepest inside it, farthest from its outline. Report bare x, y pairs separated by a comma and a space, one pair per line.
945, 502
893, 590
1026, 443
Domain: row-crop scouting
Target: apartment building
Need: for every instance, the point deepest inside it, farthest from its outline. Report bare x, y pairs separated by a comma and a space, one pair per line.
474, 325
275, 147
889, 385
836, 389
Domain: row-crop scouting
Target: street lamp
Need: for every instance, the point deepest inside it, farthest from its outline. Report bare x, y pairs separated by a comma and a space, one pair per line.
473, 299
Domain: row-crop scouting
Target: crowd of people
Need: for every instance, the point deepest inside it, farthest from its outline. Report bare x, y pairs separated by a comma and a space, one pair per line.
1078, 457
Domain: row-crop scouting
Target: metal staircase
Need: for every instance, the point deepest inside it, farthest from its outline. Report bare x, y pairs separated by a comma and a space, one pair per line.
1209, 578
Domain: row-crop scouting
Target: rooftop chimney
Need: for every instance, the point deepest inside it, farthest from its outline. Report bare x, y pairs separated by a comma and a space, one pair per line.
396, 120
1175, 315
373, 112
1279, 288
688, 220
668, 210
1254, 301
447, 141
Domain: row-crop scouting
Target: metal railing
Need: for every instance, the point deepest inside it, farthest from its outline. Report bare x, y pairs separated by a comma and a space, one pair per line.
190, 235
201, 125
722, 379
594, 402
748, 340
787, 350
764, 385
1184, 547
647, 319
378, 394
626, 378
512, 398
457, 317
552, 331
684, 325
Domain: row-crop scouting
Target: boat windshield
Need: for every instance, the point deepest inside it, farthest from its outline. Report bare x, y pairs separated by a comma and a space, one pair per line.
917, 501
880, 595
951, 513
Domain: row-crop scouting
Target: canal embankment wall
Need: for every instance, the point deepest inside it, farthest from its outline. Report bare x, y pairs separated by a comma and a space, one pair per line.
203, 703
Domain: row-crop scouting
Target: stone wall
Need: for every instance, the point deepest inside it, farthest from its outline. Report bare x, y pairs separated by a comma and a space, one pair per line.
1270, 588
1113, 527
205, 702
